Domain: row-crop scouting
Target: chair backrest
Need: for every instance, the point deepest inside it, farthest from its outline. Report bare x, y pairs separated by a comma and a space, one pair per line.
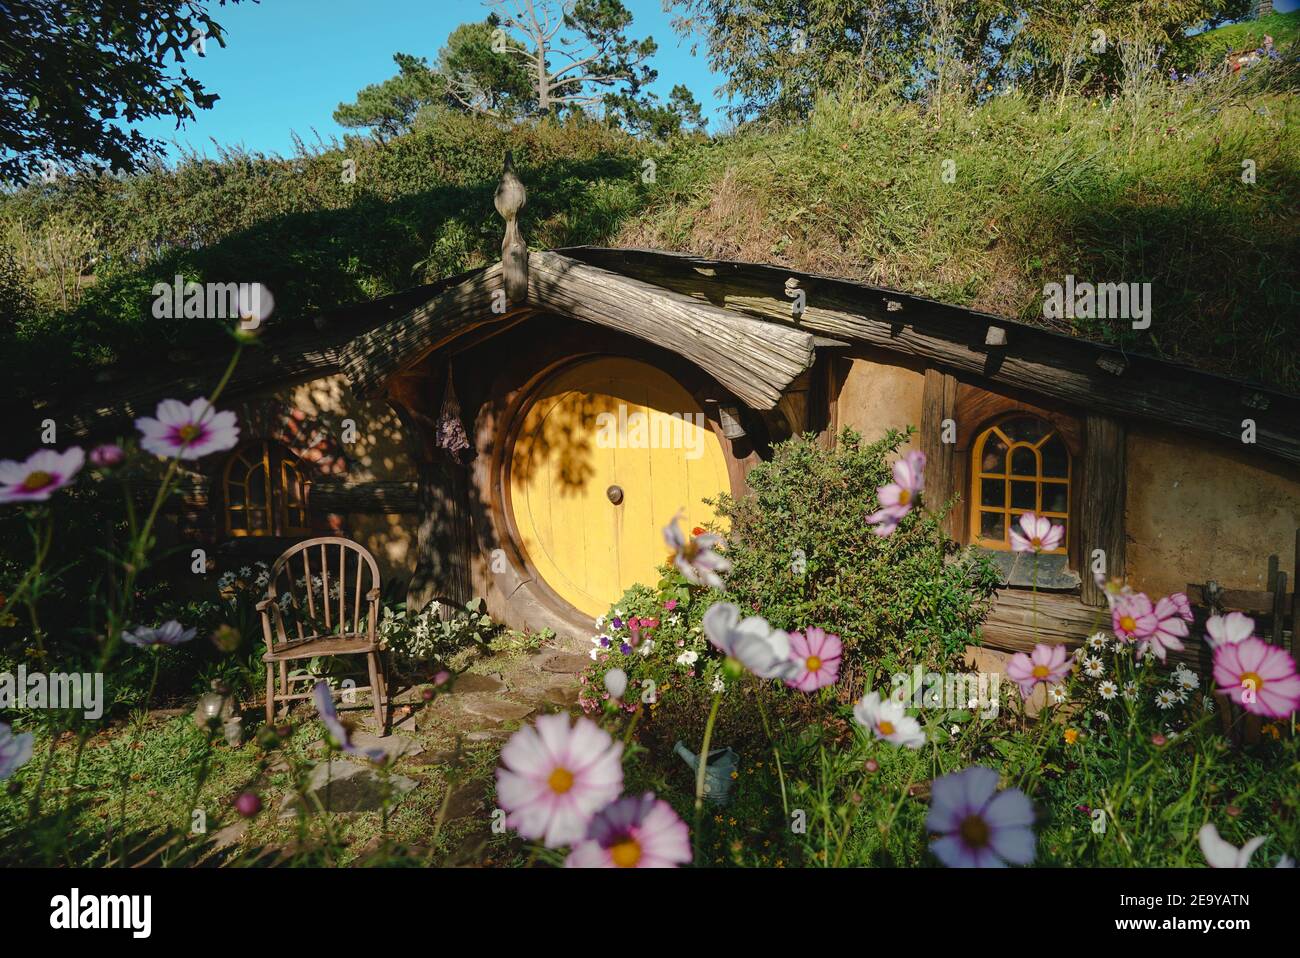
325, 587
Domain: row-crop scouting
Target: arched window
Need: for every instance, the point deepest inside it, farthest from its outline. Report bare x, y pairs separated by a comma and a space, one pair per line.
1018, 465
265, 493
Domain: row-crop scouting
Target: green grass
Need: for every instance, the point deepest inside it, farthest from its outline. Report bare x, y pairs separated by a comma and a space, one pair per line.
1213, 45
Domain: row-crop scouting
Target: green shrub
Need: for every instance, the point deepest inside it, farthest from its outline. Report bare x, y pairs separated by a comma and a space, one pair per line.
803, 555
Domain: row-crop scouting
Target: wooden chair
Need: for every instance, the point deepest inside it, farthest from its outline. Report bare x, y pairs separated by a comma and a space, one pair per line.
317, 615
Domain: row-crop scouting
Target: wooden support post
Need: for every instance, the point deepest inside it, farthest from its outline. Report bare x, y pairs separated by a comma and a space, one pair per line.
942, 480
1279, 608
1101, 503
1295, 602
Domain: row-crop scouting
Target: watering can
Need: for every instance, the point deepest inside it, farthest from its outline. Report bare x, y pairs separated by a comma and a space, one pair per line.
717, 771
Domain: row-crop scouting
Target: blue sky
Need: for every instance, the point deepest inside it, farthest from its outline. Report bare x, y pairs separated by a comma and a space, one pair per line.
288, 63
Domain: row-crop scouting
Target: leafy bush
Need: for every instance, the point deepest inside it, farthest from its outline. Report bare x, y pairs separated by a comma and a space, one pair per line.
802, 553
426, 637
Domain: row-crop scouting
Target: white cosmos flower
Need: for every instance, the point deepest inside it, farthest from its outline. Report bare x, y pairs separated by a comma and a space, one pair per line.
616, 683
697, 557
752, 642
887, 719
1229, 629
1221, 853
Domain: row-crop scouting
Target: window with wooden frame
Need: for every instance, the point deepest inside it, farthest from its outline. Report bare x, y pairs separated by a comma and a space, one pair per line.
1019, 464
264, 492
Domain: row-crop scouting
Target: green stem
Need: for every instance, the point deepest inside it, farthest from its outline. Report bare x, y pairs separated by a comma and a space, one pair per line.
776, 752
701, 766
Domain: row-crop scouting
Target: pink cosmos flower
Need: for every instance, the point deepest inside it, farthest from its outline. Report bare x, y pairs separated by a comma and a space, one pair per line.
898, 497
1228, 629
1037, 534
1133, 617
189, 431
107, 454
1183, 605
1048, 664
633, 832
44, 472
553, 778
15, 750
697, 558
817, 654
1170, 630
978, 826
1259, 677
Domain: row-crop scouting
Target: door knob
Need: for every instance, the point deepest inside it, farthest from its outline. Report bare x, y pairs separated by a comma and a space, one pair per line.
615, 494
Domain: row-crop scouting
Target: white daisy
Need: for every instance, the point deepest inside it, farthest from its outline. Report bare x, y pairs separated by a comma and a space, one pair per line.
1099, 714
1165, 699
1186, 677
1107, 689
1093, 667
1056, 694
1180, 694
1130, 691
1097, 641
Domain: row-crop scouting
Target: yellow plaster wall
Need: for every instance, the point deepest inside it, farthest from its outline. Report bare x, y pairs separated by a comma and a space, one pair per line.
1198, 509
876, 396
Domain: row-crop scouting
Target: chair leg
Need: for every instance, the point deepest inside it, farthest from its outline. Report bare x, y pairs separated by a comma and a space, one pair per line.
377, 690
270, 692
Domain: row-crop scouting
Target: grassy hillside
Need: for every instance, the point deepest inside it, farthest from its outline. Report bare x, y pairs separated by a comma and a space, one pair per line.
1213, 45
1144, 188
1147, 190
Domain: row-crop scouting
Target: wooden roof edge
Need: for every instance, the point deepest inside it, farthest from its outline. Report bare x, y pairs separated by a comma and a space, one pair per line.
1100, 378
774, 272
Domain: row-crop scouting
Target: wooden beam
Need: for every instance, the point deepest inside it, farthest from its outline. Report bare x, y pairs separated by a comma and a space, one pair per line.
942, 468
1034, 359
374, 356
756, 360
1101, 501
385, 497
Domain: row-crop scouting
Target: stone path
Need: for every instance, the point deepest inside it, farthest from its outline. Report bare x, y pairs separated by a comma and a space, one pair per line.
485, 706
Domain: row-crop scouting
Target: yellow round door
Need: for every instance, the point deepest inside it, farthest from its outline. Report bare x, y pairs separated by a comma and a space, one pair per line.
606, 453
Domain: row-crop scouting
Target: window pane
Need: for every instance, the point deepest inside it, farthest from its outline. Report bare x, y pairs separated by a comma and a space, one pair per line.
257, 487
1056, 460
1056, 496
993, 492
1025, 429
995, 455
1024, 495
993, 526
1024, 462
237, 519
257, 520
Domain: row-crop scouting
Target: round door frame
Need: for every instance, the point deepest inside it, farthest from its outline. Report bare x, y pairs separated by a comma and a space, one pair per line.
506, 429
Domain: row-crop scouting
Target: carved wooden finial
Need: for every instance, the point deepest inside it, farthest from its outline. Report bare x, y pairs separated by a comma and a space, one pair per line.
510, 199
